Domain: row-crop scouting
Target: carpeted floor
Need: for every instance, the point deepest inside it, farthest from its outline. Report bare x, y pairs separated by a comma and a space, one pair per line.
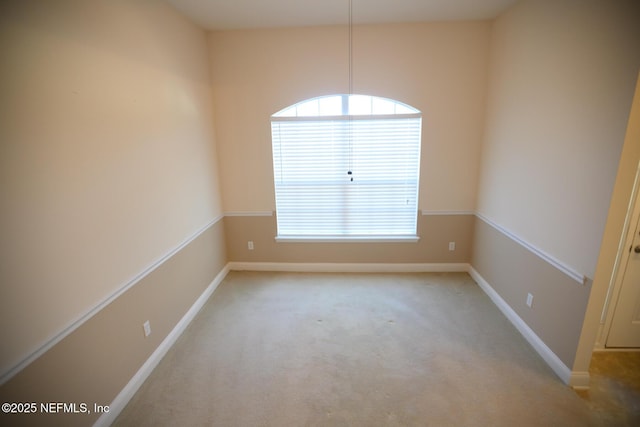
289, 349
614, 393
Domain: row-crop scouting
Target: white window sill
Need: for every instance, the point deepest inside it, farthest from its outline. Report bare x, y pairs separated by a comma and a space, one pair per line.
347, 239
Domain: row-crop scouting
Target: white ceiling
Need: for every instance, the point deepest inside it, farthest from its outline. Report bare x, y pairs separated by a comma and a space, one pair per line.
243, 14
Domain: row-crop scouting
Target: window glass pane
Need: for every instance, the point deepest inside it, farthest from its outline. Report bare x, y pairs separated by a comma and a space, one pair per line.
382, 106
359, 105
331, 106
309, 108
289, 112
403, 109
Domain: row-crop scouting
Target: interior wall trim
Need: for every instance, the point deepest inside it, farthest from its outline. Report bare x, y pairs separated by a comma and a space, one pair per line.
75, 324
616, 350
425, 212
577, 379
566, 269
422, 212
249, 213
349, 267
125, 395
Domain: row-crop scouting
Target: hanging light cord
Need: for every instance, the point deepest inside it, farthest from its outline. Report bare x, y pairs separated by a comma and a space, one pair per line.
350, 47
350, 130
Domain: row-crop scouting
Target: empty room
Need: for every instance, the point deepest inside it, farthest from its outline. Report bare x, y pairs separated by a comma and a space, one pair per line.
320, 213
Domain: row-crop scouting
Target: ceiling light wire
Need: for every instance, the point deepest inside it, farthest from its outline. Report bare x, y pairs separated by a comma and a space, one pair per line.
350, 129
350, 47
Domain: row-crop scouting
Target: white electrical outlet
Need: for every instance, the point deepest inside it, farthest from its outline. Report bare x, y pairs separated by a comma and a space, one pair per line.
452, 246
250, 245
529, 300
147, 328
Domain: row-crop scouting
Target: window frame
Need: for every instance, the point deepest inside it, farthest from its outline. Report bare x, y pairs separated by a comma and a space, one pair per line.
302, 112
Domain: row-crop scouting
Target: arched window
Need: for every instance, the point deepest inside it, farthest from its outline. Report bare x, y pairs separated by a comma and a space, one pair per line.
345, 167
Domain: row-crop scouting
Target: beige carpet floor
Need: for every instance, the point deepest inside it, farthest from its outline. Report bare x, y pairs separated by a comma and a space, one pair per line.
293, 349
614, 390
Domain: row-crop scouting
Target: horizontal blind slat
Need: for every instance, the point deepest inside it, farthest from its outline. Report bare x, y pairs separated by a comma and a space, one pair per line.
314, 193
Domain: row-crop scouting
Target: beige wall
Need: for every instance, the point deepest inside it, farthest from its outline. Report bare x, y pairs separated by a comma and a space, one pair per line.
513, 271
439, 68
561, 82
107, 162
614, 231
95, 362
436, 232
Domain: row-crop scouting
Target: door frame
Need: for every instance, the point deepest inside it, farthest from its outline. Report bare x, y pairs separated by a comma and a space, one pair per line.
619, 268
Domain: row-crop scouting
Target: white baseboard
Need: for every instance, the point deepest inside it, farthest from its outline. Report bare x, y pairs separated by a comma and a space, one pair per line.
145, 370
573, 379
75, 324
579, 380
576, 379
349, 267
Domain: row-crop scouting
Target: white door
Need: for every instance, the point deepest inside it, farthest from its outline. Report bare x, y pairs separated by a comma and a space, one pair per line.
625, 327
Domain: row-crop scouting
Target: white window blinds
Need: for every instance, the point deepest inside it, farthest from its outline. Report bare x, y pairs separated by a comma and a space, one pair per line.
346, 176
